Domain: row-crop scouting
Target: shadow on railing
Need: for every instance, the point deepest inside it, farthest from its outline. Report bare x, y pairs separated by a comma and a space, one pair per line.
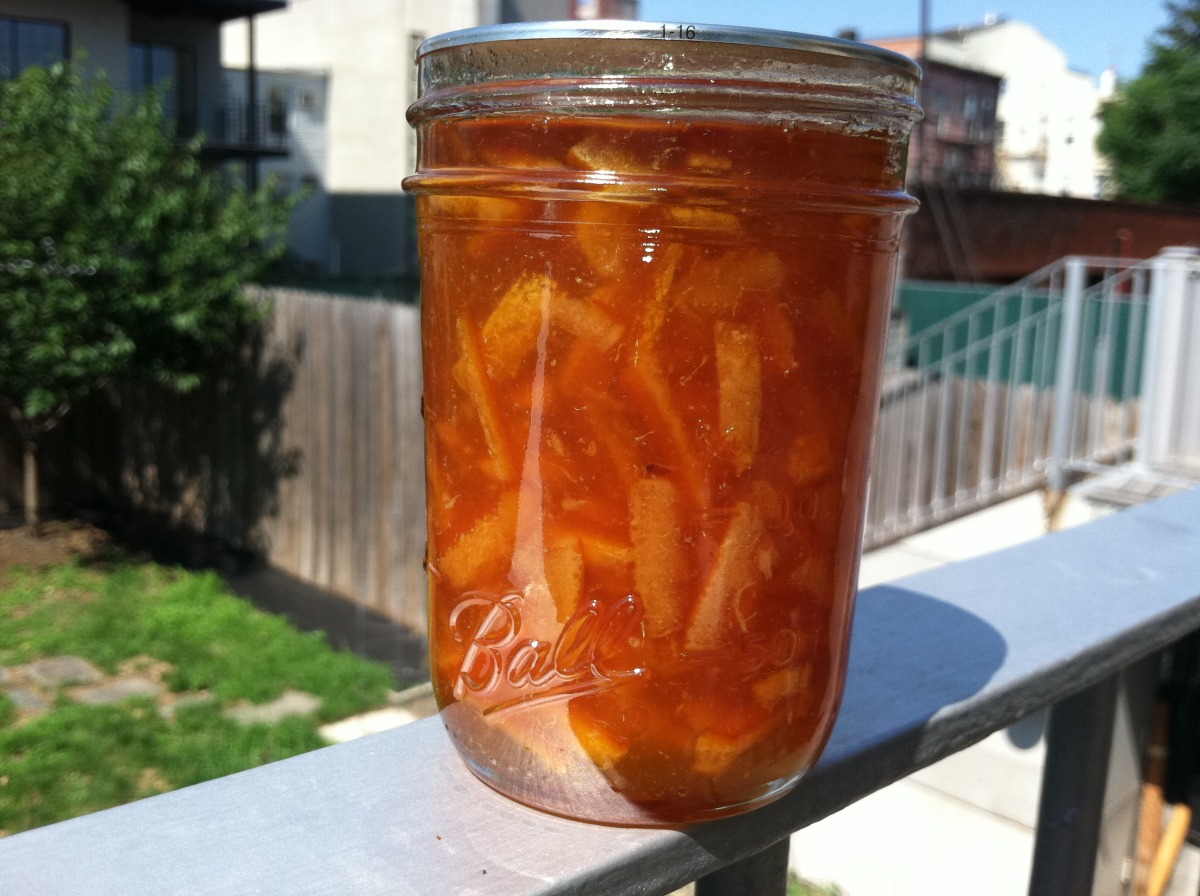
938, 662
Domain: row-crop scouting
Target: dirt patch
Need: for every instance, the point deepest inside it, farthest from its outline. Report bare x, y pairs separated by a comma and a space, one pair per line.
50, 544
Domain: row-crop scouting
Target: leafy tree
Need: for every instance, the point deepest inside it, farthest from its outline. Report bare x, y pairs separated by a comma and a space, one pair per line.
120, 257
1151, 130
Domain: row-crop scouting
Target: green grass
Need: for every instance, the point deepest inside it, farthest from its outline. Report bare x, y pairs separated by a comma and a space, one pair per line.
77, 759
799, 887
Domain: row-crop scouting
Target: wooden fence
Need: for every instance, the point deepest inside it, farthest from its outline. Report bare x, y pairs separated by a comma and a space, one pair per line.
306, 449
352, 517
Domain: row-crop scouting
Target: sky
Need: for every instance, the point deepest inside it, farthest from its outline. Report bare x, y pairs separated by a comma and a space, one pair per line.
1093, 33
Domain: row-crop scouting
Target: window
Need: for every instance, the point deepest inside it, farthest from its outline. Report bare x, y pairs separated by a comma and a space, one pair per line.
988, 108
277, 111
172, 69
26, 42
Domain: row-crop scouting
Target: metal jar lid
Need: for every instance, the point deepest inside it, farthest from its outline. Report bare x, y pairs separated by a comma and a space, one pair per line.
620, 67
661, 31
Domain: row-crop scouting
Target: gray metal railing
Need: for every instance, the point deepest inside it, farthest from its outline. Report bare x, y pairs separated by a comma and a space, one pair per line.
1044, 375
938, 661
1098, 385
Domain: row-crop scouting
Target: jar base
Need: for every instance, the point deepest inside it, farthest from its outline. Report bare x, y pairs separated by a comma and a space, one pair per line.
611, 809
571, 786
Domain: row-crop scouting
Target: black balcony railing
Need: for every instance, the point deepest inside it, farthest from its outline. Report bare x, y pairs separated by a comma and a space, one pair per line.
240, 129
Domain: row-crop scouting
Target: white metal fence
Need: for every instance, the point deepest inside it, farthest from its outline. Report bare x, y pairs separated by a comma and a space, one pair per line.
1037, 383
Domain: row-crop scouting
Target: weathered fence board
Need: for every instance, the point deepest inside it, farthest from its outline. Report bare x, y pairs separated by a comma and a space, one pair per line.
350, 516
308, 449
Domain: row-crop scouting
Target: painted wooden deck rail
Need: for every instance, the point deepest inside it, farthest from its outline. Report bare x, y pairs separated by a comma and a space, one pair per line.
939, 661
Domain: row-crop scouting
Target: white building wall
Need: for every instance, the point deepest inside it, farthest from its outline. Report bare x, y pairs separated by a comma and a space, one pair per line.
1048, 111
367, 48
304, 96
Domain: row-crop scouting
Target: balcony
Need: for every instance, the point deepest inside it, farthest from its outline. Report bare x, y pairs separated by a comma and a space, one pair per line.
939, 661
212, 10
953, 129
239, 130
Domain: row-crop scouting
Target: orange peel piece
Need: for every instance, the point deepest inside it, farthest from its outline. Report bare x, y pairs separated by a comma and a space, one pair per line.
648, 379
471, 375
702, 217
482, 208
735, 568
482, 548
511, 330
666, 272
603, 233
777, 338
739, 392
809, 458
616, 436
762, 269
502, 154
715, 753
564, 574
599, 153
659, 561
707, 162
588, 321
716, 286
604, 747
605, 554
781, 684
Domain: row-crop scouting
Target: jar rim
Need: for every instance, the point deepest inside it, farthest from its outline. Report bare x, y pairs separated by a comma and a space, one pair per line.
614, 29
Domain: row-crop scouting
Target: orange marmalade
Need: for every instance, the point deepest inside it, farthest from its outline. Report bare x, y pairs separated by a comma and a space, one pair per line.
652, 343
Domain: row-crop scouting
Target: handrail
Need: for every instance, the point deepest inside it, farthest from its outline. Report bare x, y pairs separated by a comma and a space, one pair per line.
1036, 381
1029, 281
939, 661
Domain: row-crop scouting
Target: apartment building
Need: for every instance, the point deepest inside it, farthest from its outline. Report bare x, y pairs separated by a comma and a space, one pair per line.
1045, 111
136, 44
344, 75
357, 147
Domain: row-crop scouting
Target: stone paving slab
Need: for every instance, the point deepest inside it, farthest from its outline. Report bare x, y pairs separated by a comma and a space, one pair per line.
32, 689
179, 701
289, 703
62, 671
27, 700
405, 706
116, 691
366, 723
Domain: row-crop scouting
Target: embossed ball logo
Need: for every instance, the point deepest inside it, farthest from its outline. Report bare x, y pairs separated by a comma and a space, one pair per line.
585, 657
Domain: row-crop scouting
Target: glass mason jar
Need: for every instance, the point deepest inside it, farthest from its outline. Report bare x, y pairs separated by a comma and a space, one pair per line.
657, 263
